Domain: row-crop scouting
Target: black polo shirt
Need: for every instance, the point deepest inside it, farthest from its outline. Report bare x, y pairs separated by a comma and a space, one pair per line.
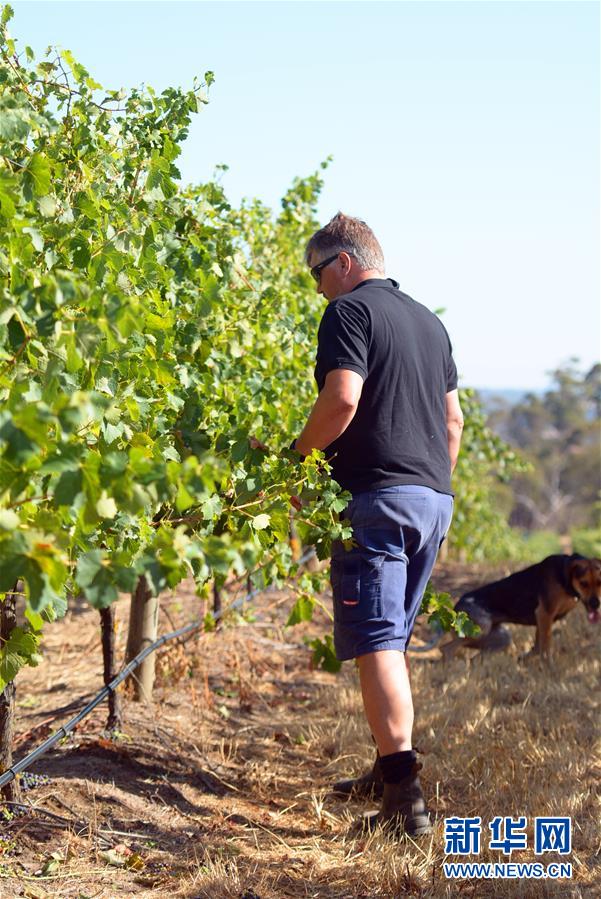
403, 353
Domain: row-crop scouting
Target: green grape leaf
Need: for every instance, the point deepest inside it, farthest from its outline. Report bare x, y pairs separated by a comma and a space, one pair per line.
302, 610
261, 521
94, 578
20, 649
36, 176
324, 655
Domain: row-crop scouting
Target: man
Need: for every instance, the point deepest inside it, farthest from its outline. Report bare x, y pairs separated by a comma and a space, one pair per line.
388, 412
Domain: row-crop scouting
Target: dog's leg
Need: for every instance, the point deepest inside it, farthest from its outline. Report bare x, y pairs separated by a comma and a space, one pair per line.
535, 651
536, 646
544, 625
497, 638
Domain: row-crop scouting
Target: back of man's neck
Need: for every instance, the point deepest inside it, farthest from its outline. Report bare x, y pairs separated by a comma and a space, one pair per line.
366, 275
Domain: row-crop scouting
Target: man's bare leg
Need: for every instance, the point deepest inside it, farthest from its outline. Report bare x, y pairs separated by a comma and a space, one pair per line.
388, 706
387, 700
370, 783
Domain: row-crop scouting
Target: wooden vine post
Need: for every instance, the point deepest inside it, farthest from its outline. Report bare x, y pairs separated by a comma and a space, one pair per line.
8, 620
107, 625
217, 604
143, 630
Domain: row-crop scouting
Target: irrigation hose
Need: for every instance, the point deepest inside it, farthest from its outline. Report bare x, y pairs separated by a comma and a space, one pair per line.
10, 774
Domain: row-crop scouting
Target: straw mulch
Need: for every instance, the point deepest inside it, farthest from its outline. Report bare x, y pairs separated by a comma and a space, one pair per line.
220, 788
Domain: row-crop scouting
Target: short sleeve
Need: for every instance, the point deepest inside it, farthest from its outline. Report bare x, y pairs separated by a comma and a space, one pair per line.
343, 341
452, 378
451, 375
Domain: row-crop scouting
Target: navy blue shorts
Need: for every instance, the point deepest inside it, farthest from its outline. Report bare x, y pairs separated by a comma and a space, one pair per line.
378, 585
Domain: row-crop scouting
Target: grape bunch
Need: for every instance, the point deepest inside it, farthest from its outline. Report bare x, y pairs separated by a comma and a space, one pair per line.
30, 781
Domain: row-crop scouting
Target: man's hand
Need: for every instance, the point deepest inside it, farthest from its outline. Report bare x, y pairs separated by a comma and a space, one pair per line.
256, 444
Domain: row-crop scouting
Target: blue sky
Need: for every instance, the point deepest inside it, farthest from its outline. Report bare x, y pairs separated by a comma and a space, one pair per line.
465, 133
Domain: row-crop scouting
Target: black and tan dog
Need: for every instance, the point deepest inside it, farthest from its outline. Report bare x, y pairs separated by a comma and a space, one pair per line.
538, 596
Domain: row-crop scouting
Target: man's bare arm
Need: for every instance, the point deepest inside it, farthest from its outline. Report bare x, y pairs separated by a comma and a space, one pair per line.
454, 426
333, 411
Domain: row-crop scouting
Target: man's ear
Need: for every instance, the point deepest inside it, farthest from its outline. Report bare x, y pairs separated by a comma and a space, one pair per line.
346, 262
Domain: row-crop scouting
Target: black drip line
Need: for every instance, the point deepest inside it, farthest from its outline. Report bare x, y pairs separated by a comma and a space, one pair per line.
11, 773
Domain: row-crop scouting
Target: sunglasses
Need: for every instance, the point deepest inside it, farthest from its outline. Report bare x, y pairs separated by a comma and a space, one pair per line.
317, 269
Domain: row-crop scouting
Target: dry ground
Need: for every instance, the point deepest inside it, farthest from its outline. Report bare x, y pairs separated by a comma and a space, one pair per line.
220, 788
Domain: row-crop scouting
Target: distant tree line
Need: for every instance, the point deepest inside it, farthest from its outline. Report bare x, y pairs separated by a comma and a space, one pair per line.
559, 433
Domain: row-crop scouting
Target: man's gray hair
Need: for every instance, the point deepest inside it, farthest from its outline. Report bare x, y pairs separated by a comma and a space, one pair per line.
344, 234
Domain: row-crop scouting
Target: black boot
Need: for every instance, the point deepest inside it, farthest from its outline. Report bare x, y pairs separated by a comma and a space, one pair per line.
403, 808
368, 786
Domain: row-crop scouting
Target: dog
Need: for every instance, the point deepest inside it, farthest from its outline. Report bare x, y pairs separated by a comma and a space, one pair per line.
538, 596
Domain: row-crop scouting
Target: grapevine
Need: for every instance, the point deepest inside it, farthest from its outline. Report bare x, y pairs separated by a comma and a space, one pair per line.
141, 349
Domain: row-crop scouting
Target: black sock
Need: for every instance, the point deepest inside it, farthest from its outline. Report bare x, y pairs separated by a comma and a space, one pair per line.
397, 766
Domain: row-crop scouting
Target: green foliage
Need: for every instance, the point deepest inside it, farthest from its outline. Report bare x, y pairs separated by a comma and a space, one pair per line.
324, 655
302, 610
21, 648
480, 528
439, 607
587, 542
532, 546
147, 333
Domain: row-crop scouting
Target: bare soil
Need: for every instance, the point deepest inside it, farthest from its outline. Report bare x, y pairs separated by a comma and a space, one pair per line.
220, 786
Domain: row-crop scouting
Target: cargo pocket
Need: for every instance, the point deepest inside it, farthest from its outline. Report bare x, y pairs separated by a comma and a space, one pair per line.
357, 587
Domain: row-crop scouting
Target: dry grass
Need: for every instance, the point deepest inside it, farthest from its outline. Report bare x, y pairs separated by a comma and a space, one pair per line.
496, 736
